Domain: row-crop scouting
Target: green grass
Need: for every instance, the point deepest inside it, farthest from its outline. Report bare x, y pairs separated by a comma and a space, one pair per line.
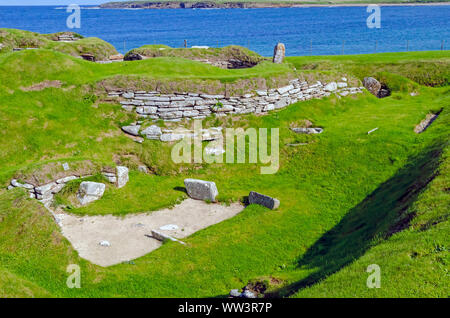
340, 195
131, 199
12, 38
212, 54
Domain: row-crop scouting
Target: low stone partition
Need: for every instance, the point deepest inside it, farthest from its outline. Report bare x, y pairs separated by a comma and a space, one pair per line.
45, 193
176, 106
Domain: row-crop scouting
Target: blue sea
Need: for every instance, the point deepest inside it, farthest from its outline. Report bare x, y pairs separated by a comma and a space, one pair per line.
305, 31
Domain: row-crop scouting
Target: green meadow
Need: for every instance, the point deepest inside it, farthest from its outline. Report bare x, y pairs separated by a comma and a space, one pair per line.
349, 199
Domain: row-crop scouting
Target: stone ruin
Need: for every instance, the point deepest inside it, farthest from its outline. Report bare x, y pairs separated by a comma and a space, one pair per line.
174, 107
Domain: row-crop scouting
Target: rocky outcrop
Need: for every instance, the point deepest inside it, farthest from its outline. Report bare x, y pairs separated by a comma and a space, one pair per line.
264, 200
279, 53
201, 190
174, 107
90, 192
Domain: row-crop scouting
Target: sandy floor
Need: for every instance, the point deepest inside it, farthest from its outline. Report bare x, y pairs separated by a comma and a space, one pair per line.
128, 236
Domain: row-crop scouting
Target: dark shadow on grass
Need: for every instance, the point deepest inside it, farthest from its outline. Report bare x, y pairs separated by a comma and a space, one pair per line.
380, 215
181, 189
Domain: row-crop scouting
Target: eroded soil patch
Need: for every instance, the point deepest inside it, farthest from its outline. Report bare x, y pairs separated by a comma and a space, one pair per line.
42, 85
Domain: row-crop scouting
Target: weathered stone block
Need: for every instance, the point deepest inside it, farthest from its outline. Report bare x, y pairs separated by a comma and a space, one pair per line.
201, 190
122, 176
132, 130
264, 200
90, 192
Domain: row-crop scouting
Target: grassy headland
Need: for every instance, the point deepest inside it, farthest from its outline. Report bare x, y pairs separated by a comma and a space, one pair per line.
230, 4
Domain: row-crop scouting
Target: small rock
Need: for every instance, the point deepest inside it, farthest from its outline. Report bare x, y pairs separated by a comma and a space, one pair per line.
248, 294
169, 227
132, 130
152, 132
66, 179
128, 95
143, 169
45, 188
104, 243
308, 131
58, 188
235, 293
122, 176
331, 87
201, 190
264, 200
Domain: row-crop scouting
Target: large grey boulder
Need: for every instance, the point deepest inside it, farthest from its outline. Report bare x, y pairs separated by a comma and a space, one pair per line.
378, 89
122, 176
132, 130
372, 85
201, 190
264, 200
90, 192
279, 53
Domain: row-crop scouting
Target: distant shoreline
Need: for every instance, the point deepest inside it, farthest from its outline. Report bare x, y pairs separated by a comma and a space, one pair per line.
246, 5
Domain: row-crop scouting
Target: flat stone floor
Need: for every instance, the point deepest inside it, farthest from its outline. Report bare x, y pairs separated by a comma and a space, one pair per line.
129, 236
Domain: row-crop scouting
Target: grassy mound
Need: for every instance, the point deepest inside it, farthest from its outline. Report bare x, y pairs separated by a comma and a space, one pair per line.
233, 55
348, 199
11, 39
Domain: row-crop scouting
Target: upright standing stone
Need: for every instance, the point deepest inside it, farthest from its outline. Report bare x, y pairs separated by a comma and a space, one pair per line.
201, 190
279, 53
122, 176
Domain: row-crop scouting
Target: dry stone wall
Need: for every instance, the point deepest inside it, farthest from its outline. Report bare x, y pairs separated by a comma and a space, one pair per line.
176, 106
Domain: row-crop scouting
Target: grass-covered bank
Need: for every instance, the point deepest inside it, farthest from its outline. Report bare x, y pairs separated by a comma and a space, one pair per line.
340, 194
